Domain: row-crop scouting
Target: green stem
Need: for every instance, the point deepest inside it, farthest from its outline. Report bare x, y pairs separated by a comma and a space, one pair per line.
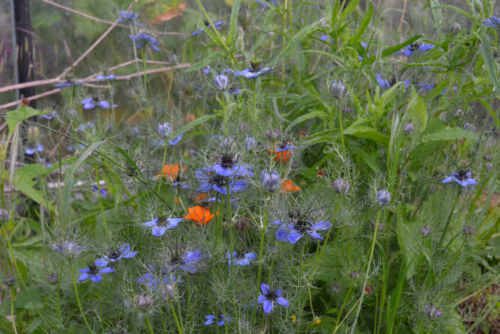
261, 251
449, 219
230, 231
78, 297
175, 316
300, 283
372, 248
254, 101
341, 130
479, 188
149, 324
12, 310
99, 198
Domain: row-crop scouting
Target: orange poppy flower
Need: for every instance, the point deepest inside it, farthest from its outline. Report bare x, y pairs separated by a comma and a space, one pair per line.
171, 171
281, 155
288, 187
199, 215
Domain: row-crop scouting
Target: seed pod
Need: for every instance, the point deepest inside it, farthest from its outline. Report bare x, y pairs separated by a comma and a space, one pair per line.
383, 197
433, 312
9, 281
245, 17
409, 128
488, 157
144, 300
242, 224
274, 134
458, 113
425, 231
469, 230
53, 278
221, 82
341, 187
355, 274
33, 133
489, 166
337, 89
269, 181
164, 130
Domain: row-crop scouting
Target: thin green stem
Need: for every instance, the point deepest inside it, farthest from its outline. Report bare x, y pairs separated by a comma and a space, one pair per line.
12, 310
78, 297
149, 324
99, 198
175, 316
372, 248
300, 283
341, 130
230, 220
143, 53
261, 251
449, 219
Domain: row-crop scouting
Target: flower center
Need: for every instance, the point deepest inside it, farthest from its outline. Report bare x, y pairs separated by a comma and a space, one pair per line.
115, 254
462, 175
227, 160
93, 270
301, 225
271, 295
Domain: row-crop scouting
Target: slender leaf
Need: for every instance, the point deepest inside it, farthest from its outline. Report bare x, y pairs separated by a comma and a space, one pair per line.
364, 24
488, 60
297, 38
233, 23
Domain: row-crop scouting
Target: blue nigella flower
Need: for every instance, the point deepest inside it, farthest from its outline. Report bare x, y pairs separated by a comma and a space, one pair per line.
154, 278
128, 18
235, 92
68, 83
269, 296
292, 233
264, 5
84, 127
324, 38
94, 273
92, 102
412, 48
213, 181
175, 140
160, 225
364, 45
144, 39
386, 84
211, 320
69, 249
452, 89
462, 178
96, 189
186, 261
250, 73
206, 70
240, 258
217, 26
164, 130
50, 115
492, 22
30, 150
109, 77
425, 86
121, 253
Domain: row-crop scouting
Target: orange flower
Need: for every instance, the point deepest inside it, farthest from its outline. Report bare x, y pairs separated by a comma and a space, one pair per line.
200, 196
171, 171
199, 215
281, 155
288, 187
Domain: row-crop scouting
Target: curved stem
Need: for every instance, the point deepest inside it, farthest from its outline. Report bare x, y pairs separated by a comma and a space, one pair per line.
78, 297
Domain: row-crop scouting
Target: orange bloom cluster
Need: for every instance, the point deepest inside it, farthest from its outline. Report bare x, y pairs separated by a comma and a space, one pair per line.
288, 187
281, 156
199, 215
171, 171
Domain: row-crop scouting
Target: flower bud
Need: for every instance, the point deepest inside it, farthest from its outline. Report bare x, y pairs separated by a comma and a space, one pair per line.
4, 215
383, 197
469, 127
355, 274
432, 190
221, 82
9, 280
433, 312
188, 89
454, 28
174, 59
458, 113
144, 300
33, 133
489, 166
346, 110
409, 128
341, 187
269, 181
488, 157
53, 278
244, 127
166, 291
250, 143
336, 288
425, 231
380, 226
245, 17
468, 230
295, 164
164, 130
274, 134
242, 224
337, 89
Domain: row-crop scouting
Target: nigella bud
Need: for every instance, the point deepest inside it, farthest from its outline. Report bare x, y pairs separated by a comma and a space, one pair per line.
469, 127
188, 89
269, 181
245, 17
166, 291
432, 190
468, 230
454, 28
244, 127
488, 157
174, 59
346, 110
242, 224
274, 134
409, 128
383, 197
341, 187
144, 300
295, 164
337, 89
355, 274
33, 132
458, 113
221, 82
250, 143
4, 215
425, 231
9, 280
164, 130
489, 166
380, 226
53, 278
336, 288
433, 312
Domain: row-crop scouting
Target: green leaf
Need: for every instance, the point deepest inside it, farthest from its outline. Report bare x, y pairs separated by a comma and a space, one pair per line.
233, 23
194, 123
348, 10
129, 159
367, 159
366, 132
488, 60
393, 49
447, 133
204, 62
437, 13
364, 24
319, 114
407, 233
24, 184
417, 113
458, 10
16, 117
297, 38
438, 90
